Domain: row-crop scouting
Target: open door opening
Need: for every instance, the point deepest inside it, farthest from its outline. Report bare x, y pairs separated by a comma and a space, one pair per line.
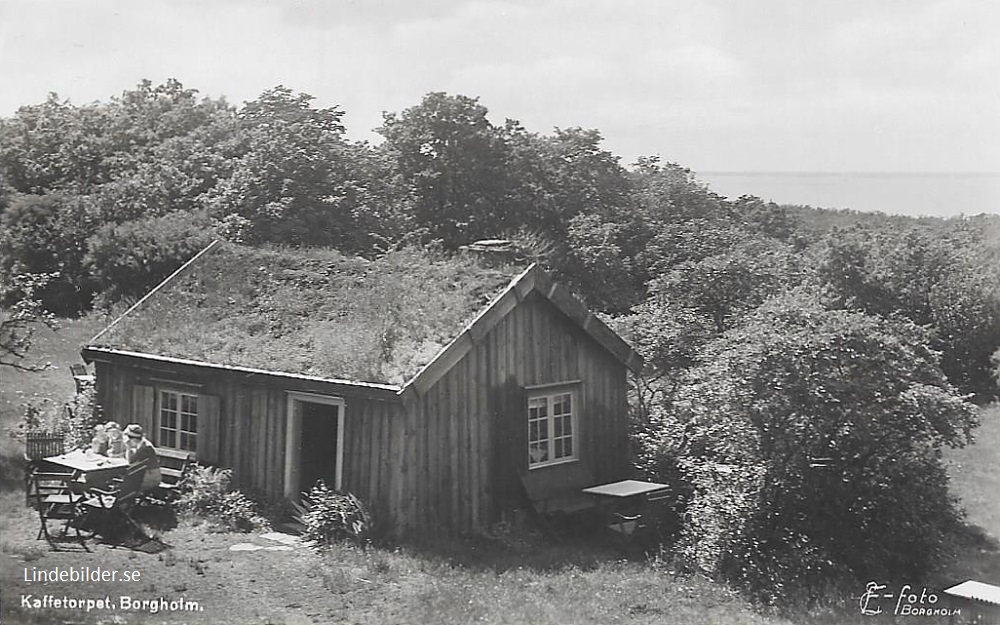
320, 423
314, 447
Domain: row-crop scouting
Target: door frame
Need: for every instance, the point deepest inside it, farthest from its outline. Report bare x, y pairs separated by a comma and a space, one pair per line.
293, 435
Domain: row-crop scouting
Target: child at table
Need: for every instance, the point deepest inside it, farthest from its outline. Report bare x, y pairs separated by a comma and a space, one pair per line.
99, 444
116, 440
137, 449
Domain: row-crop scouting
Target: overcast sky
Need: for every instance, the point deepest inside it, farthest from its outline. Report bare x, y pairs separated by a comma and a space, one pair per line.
767, 85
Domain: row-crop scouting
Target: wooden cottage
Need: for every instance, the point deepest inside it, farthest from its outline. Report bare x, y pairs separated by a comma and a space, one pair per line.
433, 389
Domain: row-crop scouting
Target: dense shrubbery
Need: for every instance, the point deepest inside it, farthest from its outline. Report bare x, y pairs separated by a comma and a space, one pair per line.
330, 516
47, 235
809, 441
208, 493
76, 420
933, 278
129, 259
83, 414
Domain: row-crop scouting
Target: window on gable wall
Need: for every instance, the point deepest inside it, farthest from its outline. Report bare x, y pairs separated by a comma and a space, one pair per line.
552, 427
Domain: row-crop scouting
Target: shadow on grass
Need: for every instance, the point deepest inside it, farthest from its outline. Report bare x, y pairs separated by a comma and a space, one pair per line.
975, 554
11, 472
114, 530
578, 543
158, 517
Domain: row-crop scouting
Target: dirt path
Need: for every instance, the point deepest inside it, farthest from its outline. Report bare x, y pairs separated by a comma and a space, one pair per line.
199, 579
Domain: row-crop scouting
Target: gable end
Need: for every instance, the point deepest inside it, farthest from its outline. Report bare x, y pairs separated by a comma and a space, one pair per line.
532, 279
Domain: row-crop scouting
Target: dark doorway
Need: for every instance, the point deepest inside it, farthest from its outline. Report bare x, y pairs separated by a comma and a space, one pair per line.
318, 457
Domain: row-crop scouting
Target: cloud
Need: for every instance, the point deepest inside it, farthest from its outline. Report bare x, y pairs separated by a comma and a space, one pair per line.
773, 84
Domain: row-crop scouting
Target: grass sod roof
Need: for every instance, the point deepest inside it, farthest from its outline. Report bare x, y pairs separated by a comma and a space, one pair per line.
311, 312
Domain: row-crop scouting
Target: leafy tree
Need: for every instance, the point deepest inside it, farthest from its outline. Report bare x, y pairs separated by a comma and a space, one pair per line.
296, 181
55, 146
691, 241
670, 193
725, 286
810, 442
170, 149
129, 259
46, 235
568, 189
596, 266
926, 276
24, 313
453, 158
766, 218
79, 149
996, 364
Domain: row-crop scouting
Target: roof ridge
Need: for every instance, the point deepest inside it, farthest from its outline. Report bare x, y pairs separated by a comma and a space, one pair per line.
534, 278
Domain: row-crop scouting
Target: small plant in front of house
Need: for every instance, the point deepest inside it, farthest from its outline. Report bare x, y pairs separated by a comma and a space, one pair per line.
36, 417
208, 494
330, 516
74, 421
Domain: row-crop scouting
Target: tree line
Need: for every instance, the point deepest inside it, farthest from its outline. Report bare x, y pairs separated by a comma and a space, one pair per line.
804, 368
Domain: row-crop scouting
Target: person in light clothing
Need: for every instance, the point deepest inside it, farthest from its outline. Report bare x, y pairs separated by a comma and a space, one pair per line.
116, 440
137, 449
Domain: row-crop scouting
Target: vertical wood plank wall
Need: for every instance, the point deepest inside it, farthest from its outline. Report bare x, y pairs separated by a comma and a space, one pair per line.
432, 464
252, 424
456, 445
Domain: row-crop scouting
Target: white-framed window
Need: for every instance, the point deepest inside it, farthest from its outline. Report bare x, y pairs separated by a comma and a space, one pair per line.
552, 427
177, 426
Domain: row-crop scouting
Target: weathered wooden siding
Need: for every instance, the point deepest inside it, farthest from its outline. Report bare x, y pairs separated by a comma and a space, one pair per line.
252, 418
466, 436
445, 461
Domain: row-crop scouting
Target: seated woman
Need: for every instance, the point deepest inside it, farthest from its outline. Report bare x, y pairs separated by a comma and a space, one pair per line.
137, 449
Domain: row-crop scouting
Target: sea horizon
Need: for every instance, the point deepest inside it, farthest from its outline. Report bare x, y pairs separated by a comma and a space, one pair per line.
916, 194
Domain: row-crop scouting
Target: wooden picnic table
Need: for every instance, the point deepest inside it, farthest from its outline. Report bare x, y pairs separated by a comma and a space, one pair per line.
626, 505
624, 489
89, 467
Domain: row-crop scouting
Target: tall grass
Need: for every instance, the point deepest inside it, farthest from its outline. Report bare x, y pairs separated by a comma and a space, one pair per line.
406, 586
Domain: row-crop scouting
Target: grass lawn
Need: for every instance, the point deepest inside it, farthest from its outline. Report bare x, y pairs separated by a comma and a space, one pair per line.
513, 578
975, 473
50, 388
474, 580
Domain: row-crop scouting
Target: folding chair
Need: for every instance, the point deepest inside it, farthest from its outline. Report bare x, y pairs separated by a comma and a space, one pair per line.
37, 447
103, 506
55, 498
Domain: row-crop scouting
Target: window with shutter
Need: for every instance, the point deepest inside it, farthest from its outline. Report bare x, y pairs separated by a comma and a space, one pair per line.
178, 424
179, 418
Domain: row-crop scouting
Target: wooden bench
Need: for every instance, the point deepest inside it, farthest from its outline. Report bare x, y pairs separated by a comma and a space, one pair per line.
555, 492
174, 466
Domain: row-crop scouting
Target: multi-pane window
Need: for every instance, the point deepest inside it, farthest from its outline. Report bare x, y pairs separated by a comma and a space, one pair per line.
550, 429
178, 420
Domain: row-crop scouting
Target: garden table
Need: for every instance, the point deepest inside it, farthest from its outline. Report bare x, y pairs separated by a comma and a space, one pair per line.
624, 489
627, 504
90, 468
